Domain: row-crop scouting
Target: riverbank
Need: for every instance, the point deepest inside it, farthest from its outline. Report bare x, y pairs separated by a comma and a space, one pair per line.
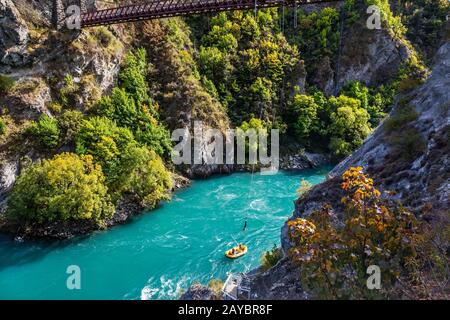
128, 207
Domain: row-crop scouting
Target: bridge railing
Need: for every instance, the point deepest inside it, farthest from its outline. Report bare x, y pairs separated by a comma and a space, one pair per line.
171, 8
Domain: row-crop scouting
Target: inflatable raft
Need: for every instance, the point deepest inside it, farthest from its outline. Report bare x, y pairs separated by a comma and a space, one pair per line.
235, 252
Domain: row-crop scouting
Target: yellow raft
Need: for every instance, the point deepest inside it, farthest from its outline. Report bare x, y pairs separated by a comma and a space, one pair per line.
237, 252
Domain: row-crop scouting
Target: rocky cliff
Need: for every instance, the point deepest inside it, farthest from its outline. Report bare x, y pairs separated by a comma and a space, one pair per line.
410, 159
371, 56
39, 59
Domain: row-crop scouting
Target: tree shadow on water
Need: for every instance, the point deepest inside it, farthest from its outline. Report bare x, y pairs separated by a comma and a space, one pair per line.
14, 253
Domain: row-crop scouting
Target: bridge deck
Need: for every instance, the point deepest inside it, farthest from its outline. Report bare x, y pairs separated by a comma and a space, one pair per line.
171, 8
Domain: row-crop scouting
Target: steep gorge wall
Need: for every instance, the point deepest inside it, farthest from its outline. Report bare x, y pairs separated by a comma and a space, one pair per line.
370, 56
421, 182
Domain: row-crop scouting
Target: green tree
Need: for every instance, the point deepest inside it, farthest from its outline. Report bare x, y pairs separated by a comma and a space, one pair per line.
248, 60
69, 123
144, 175
349, 125
374, 101
67, 187
132, 77
214, 64
155, 136
46, 131
305, 112
105, 141
120, 107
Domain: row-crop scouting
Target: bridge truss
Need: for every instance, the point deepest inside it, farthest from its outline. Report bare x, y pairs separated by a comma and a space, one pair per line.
171, 8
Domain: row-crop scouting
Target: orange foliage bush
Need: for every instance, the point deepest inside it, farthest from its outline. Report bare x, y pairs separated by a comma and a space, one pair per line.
334, 255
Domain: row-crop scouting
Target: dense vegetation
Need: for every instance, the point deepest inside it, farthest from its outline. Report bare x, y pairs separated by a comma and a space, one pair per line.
424, 20
334, 257
247, 63
6, 84
117, 152
67, 187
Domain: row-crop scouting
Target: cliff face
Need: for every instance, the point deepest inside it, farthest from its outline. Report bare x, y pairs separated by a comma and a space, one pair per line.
38, 59
419, 178
372, 57
417, 171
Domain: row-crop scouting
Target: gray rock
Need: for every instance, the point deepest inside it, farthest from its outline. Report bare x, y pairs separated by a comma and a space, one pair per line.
278, 283
303, 160
376, 58
199, 292
14, 35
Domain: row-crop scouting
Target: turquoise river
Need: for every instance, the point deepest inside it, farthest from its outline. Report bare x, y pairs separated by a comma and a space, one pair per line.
160, 253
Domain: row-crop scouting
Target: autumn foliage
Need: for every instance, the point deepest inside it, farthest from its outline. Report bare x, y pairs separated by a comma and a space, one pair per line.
334, 255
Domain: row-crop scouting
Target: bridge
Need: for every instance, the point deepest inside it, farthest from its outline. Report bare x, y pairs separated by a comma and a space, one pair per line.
156, 9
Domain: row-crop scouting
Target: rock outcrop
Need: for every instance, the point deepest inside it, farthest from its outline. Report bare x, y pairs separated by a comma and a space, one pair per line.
303, 160
375, 59
420, 177
14, 35
199, 292
39, 59
372, 57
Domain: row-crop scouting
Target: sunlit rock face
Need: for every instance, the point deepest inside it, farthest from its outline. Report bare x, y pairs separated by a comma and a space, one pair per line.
14, 35
370, 56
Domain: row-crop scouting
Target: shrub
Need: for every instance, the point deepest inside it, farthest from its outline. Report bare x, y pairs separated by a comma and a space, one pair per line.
64, 188
69, 123
2, 127
305, 111
6, 84
408, 143
216, 286
400, 119
46, 131
132, 76
334, 256
375, 100
349, 125
271, 257
120, 107
105, 141
68, 90
305, 186
143, 174
155, 136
